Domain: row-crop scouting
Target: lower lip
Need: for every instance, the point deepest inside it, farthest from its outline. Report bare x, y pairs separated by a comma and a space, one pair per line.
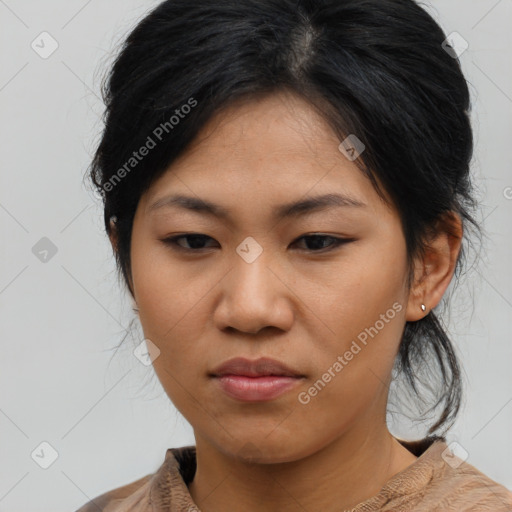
256, 389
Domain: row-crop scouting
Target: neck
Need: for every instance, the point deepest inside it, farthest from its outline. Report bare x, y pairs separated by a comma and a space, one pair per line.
338, 476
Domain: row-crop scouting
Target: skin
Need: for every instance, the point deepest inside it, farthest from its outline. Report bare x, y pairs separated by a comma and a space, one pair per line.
291, 303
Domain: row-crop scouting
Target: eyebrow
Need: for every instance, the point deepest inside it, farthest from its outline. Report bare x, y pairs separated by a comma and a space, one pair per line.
294, 209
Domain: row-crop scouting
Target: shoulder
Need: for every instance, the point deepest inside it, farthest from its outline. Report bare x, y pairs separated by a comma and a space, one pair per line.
468, 489
141, 495
106, 501
439, 481
459, 486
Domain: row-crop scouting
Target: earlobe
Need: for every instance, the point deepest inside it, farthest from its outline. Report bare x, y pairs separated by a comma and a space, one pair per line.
113, 233
113, 241
435, 270
418, 304
114, 238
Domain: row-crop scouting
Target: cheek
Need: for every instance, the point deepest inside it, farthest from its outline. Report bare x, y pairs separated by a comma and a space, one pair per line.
175, 313
166, 303
351, 294
168, 295
359, 310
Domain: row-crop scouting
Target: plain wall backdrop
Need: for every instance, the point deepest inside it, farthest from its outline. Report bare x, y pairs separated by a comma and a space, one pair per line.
103, 414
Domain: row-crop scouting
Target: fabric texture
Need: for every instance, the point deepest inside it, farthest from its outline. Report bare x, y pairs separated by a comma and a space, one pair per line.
437, 481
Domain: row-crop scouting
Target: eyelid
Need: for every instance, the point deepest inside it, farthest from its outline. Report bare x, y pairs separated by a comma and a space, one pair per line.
337, 241
173, 244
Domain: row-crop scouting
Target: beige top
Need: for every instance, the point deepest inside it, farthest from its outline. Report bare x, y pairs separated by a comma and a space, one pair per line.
436, 481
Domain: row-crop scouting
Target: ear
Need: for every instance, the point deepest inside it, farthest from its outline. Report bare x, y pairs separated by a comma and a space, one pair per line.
434, 270
113, 235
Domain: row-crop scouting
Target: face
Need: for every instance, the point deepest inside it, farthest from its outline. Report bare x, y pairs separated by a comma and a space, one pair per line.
321, 290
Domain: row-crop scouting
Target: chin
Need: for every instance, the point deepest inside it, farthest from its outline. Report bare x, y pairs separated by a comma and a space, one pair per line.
266, 451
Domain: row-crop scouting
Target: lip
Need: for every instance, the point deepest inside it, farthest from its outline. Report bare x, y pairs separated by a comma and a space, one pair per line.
262, 367
255, 381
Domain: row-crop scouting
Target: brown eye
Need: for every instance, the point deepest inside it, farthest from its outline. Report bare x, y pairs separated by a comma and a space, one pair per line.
195, 241
315, 243
319, 243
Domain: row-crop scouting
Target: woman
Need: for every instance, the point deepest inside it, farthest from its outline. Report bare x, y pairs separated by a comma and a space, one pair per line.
286, 189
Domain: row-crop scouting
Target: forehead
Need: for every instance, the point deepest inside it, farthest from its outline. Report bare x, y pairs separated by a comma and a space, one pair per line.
275, 149
279, 124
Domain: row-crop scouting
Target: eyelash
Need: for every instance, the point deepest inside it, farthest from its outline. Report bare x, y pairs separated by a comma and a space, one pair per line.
172, 241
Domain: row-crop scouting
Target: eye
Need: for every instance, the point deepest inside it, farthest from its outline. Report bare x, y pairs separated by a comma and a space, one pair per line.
196, 241
316, 242
319, 245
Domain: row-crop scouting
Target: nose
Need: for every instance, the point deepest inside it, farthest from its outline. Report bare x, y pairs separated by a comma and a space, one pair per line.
254, 296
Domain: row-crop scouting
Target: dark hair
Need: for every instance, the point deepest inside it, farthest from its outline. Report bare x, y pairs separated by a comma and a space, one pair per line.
373, 68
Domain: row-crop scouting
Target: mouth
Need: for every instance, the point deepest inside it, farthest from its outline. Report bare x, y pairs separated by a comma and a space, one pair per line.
255, 381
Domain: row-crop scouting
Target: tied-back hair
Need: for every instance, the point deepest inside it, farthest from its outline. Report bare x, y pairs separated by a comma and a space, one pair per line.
373, 68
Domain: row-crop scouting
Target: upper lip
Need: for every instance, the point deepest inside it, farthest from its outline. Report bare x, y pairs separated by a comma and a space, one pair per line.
257, 368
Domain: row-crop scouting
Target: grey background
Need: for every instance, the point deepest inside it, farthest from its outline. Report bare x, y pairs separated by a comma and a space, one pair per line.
61, 382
